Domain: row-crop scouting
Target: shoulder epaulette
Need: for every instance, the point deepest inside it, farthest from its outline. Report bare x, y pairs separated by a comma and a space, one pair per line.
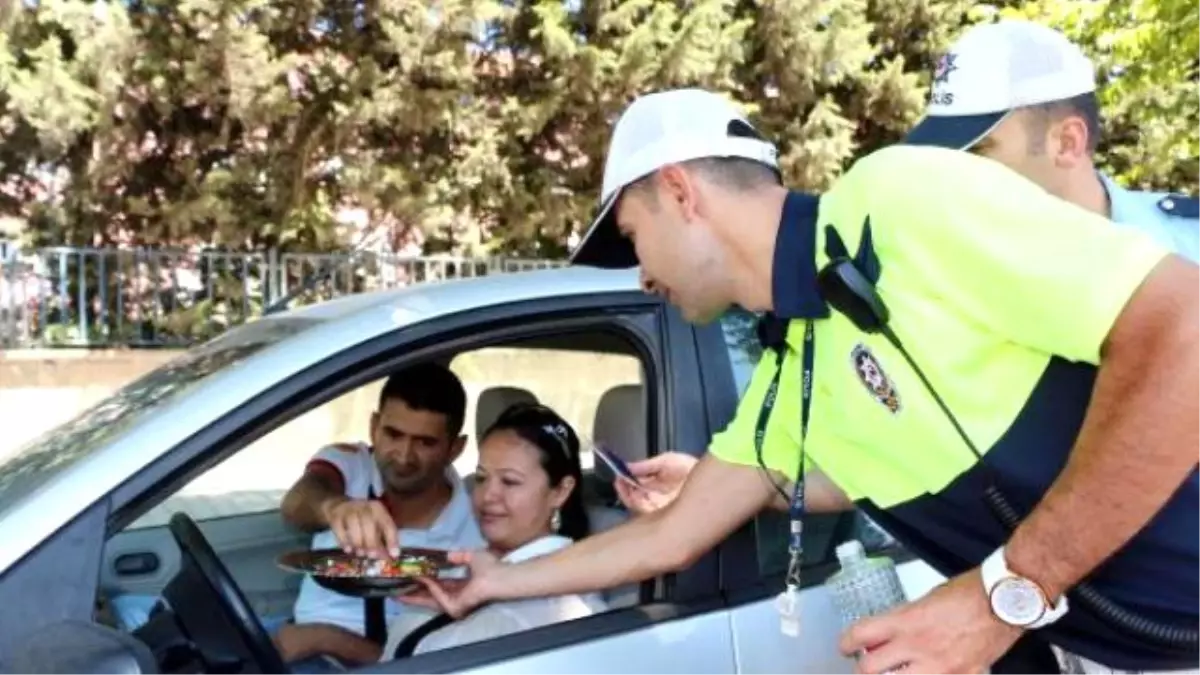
1180, 206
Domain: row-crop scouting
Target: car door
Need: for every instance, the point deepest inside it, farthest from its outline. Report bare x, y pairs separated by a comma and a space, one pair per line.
754, 559
141, 559
686, 629
236, 504
680, 628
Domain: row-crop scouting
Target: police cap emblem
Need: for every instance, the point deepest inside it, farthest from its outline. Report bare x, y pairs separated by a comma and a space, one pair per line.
943, 68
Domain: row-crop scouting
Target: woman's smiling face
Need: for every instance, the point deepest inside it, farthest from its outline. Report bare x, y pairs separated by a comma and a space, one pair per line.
513, 499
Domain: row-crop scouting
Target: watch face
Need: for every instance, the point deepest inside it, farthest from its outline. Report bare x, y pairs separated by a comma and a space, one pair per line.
1017, 601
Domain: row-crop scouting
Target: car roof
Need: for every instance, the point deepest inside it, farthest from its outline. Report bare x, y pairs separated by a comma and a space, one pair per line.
350, 319
443, 297
62, 485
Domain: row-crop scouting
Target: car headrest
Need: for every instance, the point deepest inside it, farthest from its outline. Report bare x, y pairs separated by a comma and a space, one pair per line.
493, 401
620, 425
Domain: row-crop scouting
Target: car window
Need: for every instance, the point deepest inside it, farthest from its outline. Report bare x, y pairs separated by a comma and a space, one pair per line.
39, 460
822, 532
741, 340
571, 381
255, 479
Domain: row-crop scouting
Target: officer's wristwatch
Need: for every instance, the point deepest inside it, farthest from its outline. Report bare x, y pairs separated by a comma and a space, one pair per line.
1016, 600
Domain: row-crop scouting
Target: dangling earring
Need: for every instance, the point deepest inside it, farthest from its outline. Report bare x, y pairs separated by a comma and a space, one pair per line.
555, 521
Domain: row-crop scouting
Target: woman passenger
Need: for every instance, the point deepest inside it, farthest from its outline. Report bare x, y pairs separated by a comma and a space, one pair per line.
528, 501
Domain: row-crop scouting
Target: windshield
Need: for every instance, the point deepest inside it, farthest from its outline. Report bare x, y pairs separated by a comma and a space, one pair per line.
36, 462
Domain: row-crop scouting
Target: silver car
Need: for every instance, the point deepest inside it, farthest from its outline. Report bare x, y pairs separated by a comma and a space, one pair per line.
106, 507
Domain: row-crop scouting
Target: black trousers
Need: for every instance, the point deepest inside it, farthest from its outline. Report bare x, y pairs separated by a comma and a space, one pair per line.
1029, 656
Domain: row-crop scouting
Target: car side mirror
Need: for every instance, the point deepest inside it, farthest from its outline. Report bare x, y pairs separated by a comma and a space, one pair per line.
80, 647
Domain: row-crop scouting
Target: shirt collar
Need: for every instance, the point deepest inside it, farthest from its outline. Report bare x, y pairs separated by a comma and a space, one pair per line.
1118, 198
794, 268
537, 548
457, 512
455, 515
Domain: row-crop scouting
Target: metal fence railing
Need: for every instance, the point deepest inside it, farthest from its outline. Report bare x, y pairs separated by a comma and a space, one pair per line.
66, 296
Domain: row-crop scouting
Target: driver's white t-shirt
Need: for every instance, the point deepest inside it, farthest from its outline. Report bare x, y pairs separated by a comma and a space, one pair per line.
454, 529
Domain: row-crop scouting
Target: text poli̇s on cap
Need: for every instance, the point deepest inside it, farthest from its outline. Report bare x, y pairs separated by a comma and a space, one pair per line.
994, 69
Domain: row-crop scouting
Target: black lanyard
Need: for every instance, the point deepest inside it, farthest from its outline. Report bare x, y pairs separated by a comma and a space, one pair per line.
796, 504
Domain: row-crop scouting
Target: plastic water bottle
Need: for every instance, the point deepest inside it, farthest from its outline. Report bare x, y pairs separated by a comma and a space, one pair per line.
864, 586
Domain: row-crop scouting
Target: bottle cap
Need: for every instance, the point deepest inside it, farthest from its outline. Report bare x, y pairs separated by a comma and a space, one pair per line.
850, 550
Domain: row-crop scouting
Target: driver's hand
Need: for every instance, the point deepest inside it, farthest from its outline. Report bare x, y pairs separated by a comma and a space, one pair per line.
661, 479
363, 527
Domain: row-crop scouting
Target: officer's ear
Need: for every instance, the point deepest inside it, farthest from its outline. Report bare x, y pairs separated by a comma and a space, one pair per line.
1070, 142
681, 188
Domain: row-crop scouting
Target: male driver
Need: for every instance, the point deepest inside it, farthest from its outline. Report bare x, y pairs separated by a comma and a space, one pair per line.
1022, 94
401, 487
1066, 348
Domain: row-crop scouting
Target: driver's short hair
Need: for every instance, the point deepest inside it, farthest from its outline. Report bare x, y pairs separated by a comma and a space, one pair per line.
430, 387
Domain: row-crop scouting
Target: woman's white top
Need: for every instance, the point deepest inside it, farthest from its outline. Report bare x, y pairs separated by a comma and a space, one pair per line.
500, 618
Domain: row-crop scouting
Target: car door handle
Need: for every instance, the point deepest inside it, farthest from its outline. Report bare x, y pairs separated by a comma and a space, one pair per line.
135, 564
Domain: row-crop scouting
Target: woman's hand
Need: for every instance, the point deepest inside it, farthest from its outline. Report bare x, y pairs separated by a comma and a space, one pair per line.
457, 597
661, 479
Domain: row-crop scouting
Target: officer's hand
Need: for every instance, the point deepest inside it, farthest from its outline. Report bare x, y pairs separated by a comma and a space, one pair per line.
457, 597
950, 630
363, 527
661, 479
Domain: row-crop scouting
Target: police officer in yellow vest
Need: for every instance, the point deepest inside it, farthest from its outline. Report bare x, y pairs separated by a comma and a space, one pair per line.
1063, 351
1021, 93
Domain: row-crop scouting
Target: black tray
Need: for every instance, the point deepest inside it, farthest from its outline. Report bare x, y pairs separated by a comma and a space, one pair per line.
306, 561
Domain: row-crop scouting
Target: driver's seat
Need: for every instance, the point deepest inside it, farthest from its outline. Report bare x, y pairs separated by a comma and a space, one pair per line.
495, 400
621, 426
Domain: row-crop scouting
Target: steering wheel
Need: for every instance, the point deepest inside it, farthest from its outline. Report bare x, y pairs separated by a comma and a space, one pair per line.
198, 555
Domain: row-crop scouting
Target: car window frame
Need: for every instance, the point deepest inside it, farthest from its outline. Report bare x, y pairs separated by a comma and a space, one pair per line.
270, 502
671, 370
55, 581
740, 377
336, 375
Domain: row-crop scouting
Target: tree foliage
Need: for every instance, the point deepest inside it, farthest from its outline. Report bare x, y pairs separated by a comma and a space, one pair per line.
478, 126
1149, 74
